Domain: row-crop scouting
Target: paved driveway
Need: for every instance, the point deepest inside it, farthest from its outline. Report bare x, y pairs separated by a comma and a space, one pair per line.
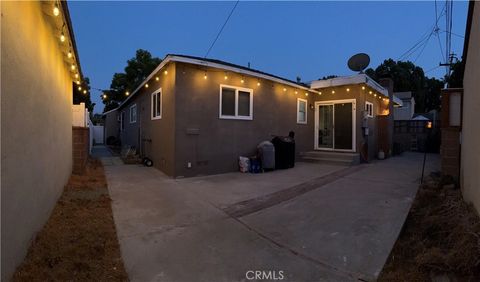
311, 223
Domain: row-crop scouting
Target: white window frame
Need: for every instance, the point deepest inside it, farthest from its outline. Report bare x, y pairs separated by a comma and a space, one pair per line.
236, 116
300, 100
369, 111
158, 93
133, 107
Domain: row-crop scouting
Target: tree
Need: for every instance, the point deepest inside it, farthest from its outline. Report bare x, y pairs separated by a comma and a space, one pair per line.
81, 94
456, 77
407, 76
137, 69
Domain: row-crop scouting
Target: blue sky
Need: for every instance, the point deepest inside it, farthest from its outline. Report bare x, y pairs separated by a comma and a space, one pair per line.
289, 39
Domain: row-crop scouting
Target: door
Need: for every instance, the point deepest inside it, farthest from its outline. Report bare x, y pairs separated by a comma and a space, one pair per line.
334, 125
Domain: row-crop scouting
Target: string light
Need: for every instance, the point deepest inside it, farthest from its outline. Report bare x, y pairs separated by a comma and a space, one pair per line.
165, 72
348, 89
104, 96
127, 93
375, 95
56, 10
76, 75
79, 88
78, 82
205, 75
226, 77
157, 78
242, 80
333, 91
306, 94
296, 92
284, 89
320, 93
69, 55
73, 67
84, 91
370, 92
146, 85
258, 83
363, 87
62, 37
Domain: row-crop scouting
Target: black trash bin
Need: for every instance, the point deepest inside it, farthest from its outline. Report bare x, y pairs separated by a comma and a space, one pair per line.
284, 152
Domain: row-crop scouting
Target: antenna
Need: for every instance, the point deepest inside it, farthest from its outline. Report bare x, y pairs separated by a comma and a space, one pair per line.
358, 62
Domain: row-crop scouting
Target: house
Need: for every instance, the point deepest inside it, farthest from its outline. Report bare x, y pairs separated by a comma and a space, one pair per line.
39, 65
407, 110
196, 116
460, 115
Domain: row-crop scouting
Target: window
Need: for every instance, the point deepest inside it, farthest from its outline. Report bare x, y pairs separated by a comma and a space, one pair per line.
301, 111
157, 104
122, 121
236, 103
133, 113
369, 109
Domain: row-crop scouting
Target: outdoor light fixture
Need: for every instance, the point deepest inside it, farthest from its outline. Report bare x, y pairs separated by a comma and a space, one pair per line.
62, 37
56, 10
69, 55
146, 85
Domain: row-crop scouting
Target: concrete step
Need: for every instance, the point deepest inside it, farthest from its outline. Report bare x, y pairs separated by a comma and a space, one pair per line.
331, 157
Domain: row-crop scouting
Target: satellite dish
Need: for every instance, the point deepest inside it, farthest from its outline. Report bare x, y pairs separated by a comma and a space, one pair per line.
359, 62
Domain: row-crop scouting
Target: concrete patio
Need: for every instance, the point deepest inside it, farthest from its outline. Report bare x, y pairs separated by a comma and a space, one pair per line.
314, 222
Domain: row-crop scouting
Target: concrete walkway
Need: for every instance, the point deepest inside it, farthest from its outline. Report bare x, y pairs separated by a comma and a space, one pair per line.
311, 223
105, 155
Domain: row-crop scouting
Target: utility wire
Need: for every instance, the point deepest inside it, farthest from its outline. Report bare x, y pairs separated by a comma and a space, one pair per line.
221, 29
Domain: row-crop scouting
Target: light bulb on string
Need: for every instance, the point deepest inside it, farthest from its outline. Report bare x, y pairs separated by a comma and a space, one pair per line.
56, 10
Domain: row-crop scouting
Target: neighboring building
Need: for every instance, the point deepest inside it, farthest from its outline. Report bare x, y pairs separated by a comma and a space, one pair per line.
407, 110
36, 119
195, 116
470, 139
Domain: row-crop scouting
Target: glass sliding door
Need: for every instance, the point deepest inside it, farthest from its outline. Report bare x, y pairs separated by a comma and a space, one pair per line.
335, 125
343, 126
325, 126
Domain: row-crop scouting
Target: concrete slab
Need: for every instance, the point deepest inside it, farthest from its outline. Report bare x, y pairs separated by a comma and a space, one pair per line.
342, 230
226, 189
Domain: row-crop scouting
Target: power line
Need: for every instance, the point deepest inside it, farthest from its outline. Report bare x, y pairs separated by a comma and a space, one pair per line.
221, 29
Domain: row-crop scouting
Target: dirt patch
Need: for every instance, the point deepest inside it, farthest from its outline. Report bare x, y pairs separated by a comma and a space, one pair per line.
79, 241
440, 238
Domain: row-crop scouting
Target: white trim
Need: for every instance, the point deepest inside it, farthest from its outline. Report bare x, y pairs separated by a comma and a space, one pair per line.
369, 114
298, 111
237, 89
130, 113
158, 93
354, 125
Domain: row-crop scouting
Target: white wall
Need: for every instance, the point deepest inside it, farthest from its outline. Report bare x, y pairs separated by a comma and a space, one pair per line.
36, 127
470, 159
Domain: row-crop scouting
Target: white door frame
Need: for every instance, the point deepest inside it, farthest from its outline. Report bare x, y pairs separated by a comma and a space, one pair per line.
354, 125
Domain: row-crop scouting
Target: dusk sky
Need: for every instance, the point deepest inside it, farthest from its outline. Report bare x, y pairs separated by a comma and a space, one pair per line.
289, 39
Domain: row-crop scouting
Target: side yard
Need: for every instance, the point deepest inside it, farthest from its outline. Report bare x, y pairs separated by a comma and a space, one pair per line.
79, 241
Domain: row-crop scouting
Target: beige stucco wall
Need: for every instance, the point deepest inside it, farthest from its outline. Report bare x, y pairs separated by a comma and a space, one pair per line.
36, 127
470, 158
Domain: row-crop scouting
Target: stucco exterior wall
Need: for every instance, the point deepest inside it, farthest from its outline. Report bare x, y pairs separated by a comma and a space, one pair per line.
361, 96
213, 145
36, 127
470, 152
154, 138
